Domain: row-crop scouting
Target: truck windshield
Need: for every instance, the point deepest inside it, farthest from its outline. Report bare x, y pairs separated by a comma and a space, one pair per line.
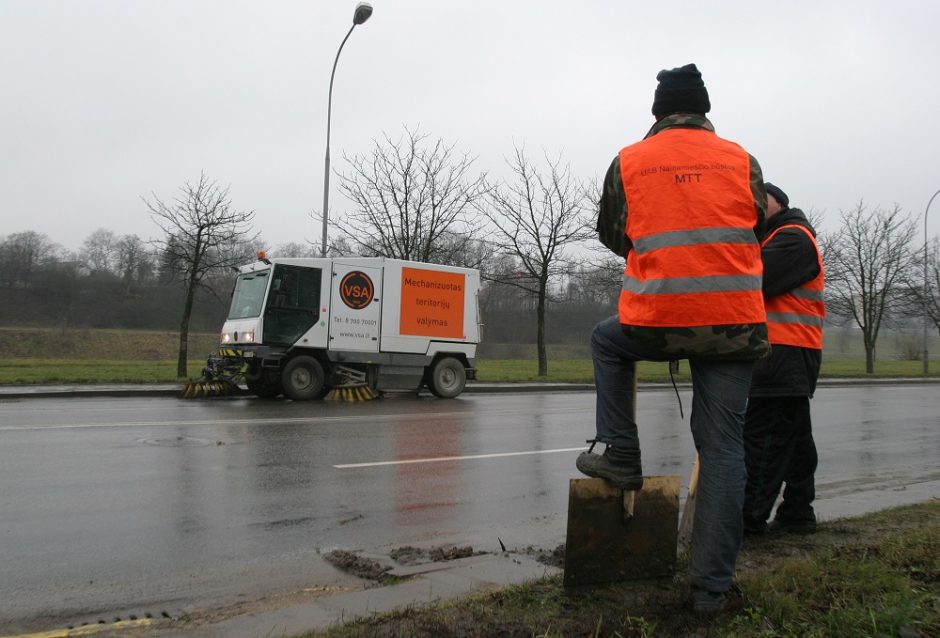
248, 298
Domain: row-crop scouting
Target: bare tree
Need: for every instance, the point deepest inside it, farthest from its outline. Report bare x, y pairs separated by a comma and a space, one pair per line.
98, 251
815, 218
133, 261
598, 283
466, 251
868, 264
238, 251
916, 285
296, 249
536, 216
933, 282
24, 255
605, 268
412, 200
201, 230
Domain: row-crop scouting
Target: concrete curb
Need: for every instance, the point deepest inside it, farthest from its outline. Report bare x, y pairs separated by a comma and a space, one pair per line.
68, 392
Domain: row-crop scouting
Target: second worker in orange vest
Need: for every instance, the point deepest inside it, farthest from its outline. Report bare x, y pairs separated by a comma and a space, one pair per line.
685, 208
778, 431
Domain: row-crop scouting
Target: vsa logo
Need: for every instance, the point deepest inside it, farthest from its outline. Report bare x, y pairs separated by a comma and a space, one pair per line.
356, 290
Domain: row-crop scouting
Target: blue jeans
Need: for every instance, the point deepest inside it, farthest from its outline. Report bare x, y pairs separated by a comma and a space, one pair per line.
719, 402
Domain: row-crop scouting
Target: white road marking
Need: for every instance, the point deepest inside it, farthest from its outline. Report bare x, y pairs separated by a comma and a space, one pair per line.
364, 418
441, 459
140, 424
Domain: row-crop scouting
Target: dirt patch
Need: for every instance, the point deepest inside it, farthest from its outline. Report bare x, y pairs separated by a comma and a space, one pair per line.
408, 555
357, 565
450, 553
370, 569
552, 557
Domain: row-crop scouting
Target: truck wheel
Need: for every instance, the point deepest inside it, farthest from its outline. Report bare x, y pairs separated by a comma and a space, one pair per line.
302, 378
448, 378
264, 387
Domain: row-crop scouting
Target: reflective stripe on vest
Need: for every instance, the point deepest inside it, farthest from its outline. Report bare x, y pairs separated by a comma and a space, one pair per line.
679, 285
795, 318
694, 236
691, 217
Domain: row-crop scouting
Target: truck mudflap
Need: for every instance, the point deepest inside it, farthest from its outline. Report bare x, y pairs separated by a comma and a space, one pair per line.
225, 369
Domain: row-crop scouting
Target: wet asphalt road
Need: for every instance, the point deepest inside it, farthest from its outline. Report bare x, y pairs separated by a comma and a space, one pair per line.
116, 506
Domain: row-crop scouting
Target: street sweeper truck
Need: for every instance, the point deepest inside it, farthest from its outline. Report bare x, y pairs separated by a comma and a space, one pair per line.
310, 327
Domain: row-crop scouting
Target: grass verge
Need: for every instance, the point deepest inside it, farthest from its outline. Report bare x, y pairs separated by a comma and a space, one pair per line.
877, 575
35, 371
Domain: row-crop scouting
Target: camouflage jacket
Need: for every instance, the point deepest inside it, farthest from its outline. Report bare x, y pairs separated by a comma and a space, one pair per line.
731, 342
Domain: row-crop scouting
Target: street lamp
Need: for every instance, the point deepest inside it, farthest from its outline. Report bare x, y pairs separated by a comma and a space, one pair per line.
926, 364
360, 15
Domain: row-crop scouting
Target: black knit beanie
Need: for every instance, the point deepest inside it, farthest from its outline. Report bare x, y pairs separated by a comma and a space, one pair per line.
680, 90
778, 194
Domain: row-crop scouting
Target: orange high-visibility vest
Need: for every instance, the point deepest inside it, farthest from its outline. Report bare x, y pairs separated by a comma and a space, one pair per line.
795, 318
695, 260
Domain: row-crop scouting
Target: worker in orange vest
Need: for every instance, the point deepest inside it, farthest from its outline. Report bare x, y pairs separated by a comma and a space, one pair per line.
685, 208
778, 431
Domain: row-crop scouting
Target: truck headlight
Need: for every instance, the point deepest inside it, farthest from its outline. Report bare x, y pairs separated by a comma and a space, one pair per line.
226, 337
248, 337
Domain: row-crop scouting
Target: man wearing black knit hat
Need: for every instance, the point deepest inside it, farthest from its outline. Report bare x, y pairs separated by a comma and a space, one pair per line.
778, 431
680, 91
685, 208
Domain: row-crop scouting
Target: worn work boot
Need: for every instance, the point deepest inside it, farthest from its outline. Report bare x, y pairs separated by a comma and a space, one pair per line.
785, 526
620, 466
708, 603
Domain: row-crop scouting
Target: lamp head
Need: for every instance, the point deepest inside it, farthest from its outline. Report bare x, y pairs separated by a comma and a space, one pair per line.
362, 13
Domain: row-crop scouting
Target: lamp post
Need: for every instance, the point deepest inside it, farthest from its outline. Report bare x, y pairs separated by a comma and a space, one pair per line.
360, 15
926, 363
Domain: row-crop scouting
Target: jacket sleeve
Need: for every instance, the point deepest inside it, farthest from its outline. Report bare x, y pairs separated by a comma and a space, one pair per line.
790, 260
612, 212
760, 196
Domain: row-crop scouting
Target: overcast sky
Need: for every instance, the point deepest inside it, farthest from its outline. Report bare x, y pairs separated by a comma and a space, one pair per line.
107, 101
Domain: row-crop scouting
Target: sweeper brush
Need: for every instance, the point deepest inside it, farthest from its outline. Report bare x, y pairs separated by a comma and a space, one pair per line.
351, 394
220, 377
201, 388
354, 385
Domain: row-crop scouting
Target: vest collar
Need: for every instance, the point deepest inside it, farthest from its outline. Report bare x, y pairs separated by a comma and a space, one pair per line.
682, 120
788, 217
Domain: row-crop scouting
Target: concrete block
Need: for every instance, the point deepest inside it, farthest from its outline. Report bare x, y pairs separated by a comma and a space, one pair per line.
604, 544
